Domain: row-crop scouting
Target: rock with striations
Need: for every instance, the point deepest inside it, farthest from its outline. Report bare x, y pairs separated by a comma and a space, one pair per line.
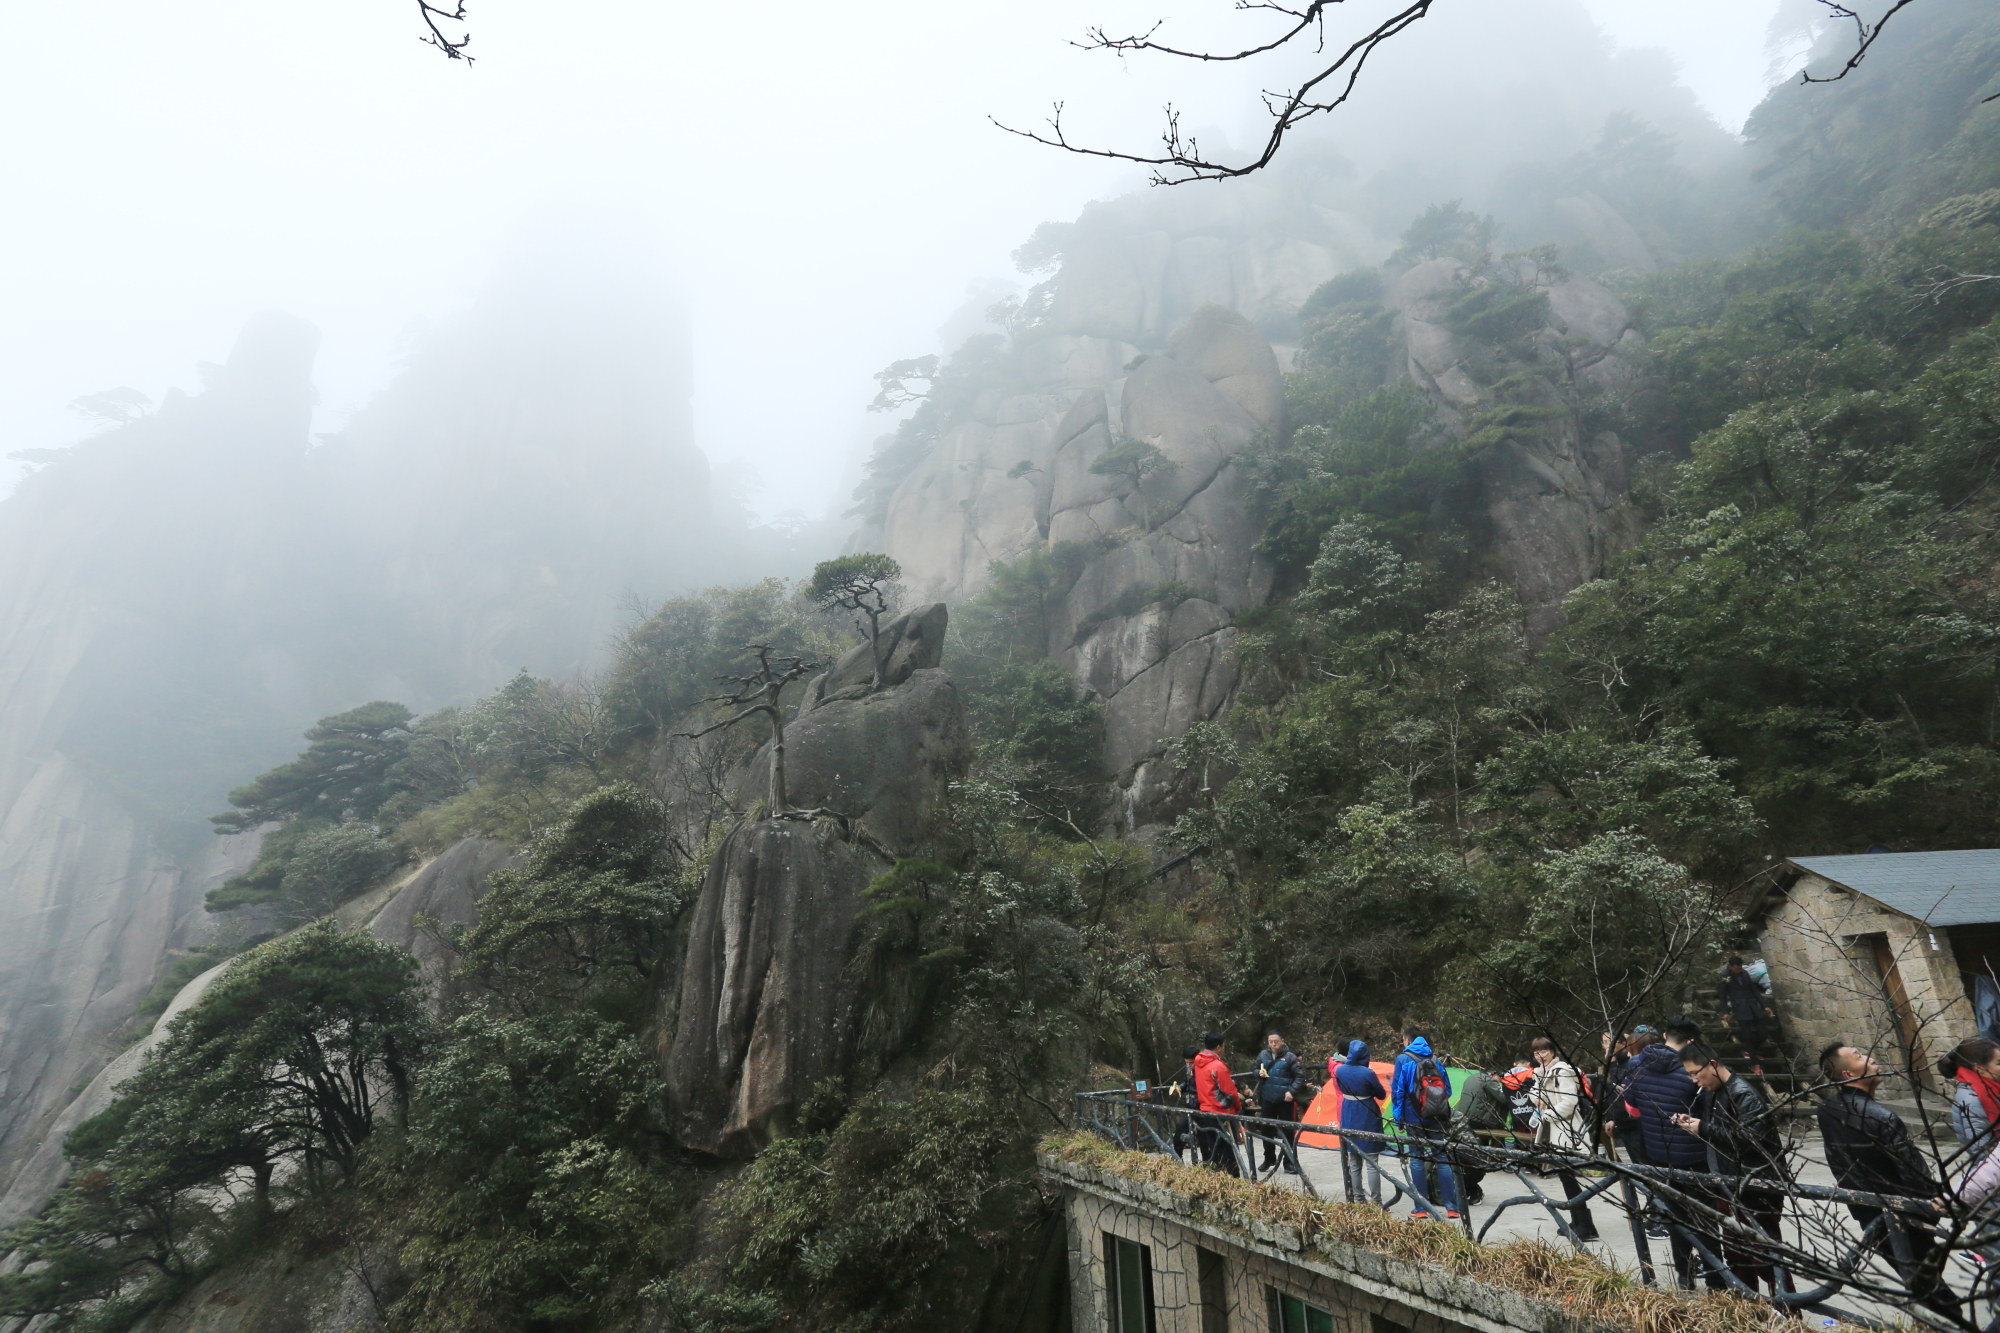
1556, 501
443, 894
910, 642
766, 1004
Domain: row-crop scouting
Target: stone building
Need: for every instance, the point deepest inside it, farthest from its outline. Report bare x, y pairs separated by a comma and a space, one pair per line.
1145, 1259
1885, 950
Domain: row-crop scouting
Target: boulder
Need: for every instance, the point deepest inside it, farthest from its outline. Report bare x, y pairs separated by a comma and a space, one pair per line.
883, 761
447, 891
1227, 350
911, 642
766, 1005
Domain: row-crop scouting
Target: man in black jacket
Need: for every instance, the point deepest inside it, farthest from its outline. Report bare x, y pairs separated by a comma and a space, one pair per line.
1869, 1150
1732, 1118
1280, 1088
1744, 1001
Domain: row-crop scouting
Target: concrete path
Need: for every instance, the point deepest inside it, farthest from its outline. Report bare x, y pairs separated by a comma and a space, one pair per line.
1616, 1246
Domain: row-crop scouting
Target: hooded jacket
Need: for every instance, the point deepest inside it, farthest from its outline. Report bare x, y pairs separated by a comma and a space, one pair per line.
1361, 1092
1658, 1089
1969, 1119
1483, 1102
1403, 1084
1214, 1087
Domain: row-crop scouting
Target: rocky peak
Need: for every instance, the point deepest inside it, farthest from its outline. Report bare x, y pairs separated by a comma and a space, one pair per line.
767, 1005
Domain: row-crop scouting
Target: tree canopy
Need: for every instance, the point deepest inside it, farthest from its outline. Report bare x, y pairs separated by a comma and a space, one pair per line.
342, 774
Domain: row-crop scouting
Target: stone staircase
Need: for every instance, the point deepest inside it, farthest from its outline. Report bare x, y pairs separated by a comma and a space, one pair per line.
1786, 1073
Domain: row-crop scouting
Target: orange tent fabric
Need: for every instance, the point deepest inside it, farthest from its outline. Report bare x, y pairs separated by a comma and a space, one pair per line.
1325, 1109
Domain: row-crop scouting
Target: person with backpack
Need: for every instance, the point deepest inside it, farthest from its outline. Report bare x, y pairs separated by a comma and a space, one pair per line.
1361, 1094
1420, 1099
1216, 1095
1483, 1104
1622, 1059
1281, 1084
1748, 1007
1563, 1124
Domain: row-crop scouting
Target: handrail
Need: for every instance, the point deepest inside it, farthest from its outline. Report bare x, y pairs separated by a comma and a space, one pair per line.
1683, 1199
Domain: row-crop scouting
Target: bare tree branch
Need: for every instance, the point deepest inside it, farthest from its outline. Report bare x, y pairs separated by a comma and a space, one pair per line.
1865, 34
1180, 158
436, 15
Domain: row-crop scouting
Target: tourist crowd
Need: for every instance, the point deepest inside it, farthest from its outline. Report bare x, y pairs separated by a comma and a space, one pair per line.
1663, 1097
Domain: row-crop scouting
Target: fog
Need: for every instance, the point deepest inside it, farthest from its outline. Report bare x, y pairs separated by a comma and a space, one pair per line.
824, 181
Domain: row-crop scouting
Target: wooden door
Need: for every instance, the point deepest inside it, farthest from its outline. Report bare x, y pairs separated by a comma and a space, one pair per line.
1910, 1037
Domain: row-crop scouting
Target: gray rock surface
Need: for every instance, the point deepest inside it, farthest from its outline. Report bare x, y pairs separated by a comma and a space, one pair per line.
910, 642
883, 761
766, 1009
446, 890
766, 1006
38, 1177
1146, 624
1557, 503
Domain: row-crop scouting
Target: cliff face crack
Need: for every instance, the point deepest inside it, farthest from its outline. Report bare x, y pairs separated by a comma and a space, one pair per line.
1207, 482
1168, 656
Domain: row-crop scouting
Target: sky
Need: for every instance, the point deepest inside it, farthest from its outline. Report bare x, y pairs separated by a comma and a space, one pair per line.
825, 180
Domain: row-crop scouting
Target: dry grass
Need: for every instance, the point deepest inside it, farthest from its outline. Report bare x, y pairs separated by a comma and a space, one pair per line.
1581, 1285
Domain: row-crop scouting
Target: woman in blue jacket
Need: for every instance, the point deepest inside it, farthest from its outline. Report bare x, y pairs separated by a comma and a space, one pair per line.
1361, 1094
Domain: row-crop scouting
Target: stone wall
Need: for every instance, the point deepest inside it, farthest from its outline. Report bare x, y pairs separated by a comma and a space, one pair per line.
1827, 986
1366, 1292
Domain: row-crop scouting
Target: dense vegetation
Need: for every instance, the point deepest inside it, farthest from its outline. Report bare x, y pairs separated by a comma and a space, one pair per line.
1426, 804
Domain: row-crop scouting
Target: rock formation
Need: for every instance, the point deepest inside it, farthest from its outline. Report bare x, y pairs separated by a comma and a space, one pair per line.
910, 642
446, 893
1167, 564
182, 596
767, 1005
1556, 501
446, 889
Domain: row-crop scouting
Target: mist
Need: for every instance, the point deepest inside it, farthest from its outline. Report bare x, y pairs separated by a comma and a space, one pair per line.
826, 188
726, 637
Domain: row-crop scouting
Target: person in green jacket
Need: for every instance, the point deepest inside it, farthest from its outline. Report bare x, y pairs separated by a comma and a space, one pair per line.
1482, 1104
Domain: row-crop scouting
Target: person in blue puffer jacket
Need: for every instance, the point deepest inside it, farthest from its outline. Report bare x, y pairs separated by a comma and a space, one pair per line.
1361, 1094
1659, 1089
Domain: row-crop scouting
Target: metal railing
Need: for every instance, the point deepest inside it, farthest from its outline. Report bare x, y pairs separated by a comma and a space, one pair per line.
1713, 1219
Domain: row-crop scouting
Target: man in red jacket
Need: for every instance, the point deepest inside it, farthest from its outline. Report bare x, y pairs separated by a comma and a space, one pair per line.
1215, 1093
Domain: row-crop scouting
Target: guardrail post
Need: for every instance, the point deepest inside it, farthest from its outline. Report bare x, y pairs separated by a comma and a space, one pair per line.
1638, 1225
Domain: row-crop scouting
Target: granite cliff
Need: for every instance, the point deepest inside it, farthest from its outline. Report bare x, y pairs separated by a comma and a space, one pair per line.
182, 595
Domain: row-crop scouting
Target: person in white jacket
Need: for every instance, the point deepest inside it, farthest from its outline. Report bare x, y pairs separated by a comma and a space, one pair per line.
1563, 1124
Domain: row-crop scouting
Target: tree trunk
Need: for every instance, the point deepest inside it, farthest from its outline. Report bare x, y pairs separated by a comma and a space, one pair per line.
778, 805
875, 650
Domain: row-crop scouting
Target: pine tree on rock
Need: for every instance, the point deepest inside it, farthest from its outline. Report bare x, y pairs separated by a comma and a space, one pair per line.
865, 584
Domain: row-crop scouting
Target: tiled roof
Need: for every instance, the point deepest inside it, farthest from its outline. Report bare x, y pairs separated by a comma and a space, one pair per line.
1939, 888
